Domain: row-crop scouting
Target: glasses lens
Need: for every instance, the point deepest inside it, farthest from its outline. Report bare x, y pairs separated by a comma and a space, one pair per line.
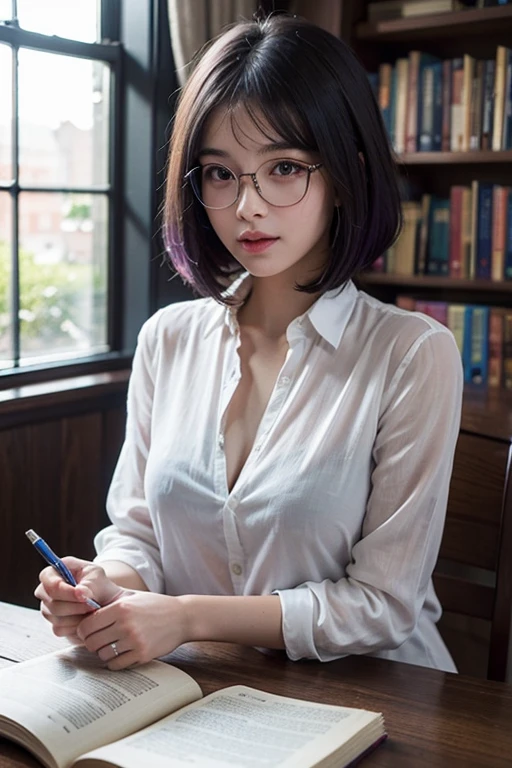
280, 183
215, 186
283, 182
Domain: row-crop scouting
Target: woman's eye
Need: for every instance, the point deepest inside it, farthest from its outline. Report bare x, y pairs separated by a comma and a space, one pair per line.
287, 168
217, 173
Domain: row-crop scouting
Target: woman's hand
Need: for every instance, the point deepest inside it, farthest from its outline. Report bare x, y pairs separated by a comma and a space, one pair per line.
64, 606
137, 627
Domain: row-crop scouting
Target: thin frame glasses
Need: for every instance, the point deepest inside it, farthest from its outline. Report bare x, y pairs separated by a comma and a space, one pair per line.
217, 187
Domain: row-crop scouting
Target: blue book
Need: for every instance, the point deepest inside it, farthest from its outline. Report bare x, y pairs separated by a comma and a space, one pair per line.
479, 355
392, 107
438, 106
373, 79
424, 95
484, 231
508, 239
438, 237
466, 344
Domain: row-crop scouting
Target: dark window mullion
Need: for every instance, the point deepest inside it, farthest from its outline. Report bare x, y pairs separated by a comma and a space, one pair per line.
115, 219
15, 270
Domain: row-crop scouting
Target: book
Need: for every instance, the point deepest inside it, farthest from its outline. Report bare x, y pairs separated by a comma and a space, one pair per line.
69, 709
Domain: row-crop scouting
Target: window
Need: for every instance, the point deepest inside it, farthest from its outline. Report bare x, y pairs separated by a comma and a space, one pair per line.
59, 191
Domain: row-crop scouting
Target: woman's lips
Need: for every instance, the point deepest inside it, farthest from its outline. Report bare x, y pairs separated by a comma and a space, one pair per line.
257, 246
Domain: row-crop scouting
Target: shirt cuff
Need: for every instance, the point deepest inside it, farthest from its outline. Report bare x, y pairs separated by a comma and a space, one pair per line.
298, 618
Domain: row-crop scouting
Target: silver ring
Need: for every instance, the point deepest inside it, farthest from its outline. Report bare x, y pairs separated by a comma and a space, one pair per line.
114, 648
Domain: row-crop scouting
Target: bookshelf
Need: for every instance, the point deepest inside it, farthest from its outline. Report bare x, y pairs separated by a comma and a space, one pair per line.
476, 32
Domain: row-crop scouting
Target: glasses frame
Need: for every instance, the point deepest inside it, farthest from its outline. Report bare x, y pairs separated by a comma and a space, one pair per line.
188, 178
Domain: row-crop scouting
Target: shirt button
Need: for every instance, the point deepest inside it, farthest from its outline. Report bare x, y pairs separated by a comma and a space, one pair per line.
285, 379
221, 441
236, 568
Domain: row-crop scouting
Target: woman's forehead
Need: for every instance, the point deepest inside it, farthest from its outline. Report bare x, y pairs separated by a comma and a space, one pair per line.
238, 129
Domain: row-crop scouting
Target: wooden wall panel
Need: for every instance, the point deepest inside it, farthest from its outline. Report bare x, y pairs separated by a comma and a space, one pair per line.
54, 477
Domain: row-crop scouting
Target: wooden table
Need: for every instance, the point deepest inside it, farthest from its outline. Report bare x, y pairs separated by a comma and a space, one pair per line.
433, 719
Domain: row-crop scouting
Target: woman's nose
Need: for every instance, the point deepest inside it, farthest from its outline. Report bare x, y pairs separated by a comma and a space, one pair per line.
250, 203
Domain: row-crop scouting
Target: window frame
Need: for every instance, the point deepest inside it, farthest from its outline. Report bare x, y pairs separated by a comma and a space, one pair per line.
112, 54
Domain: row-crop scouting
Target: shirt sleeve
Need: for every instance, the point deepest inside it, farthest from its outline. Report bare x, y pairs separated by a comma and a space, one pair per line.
131, 537
376, 605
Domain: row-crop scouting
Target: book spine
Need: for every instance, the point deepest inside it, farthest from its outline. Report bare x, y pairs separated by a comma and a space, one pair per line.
438, 106
484, 229
499, 226
457, 107
495, 347
455, 257
401, 105
467, 230
385, 95
476, 106
488, 104
447, 104
455, 320
508, 238
479, 346
507, 350
499, 97
468, 70
507, 109
426, 138
439, 238
466, 349
412, 102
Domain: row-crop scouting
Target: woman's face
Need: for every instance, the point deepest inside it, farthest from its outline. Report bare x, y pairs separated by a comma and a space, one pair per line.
292, 240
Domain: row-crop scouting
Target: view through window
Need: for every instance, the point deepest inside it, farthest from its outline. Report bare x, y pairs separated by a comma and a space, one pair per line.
55, 181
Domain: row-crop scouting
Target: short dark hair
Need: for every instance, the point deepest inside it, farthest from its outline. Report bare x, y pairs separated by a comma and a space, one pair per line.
310, 88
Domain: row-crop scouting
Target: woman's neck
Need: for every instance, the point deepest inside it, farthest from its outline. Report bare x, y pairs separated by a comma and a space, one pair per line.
273, 304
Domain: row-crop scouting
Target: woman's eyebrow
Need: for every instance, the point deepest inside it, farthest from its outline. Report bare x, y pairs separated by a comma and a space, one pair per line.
275, 146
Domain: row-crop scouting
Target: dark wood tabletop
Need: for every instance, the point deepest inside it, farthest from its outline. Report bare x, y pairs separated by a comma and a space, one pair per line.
433, 719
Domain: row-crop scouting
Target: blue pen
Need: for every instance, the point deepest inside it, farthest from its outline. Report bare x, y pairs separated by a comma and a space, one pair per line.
51, 558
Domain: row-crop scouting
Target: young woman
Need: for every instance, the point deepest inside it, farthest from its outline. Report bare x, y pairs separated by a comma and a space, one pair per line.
289, 444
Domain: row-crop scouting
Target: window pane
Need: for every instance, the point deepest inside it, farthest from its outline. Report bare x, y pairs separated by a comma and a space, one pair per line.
5, 280
77, 20
5, 10
63, 275
64, 120
5, 114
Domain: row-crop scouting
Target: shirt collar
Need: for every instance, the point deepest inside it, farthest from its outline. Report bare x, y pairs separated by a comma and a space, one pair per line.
329, 314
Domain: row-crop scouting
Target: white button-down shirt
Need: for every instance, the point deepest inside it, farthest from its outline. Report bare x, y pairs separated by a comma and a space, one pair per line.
340, 506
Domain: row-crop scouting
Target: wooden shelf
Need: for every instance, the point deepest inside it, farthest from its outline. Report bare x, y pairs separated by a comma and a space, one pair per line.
430, 281
472, 21
456, 158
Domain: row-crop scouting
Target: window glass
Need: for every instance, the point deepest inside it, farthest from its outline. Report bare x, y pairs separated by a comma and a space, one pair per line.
75, 19
6, 170
5, 10
63, 120
63, 275
6, 360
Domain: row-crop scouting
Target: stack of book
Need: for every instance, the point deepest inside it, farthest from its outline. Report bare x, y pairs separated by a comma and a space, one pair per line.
467, 236
483, 335
430, 104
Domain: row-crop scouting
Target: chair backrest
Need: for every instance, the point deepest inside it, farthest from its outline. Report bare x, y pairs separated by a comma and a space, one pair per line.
473, 576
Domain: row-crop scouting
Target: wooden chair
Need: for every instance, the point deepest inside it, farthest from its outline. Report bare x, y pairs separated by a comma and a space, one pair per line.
473, 576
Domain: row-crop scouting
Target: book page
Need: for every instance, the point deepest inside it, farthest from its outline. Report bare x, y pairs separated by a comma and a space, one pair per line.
240, 727
71, 702
25, 634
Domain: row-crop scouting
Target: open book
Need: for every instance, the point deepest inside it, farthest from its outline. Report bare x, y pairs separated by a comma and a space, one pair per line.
68, 709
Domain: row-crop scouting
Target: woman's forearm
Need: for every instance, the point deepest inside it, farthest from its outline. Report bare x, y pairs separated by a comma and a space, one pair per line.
123, 575
247, 620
